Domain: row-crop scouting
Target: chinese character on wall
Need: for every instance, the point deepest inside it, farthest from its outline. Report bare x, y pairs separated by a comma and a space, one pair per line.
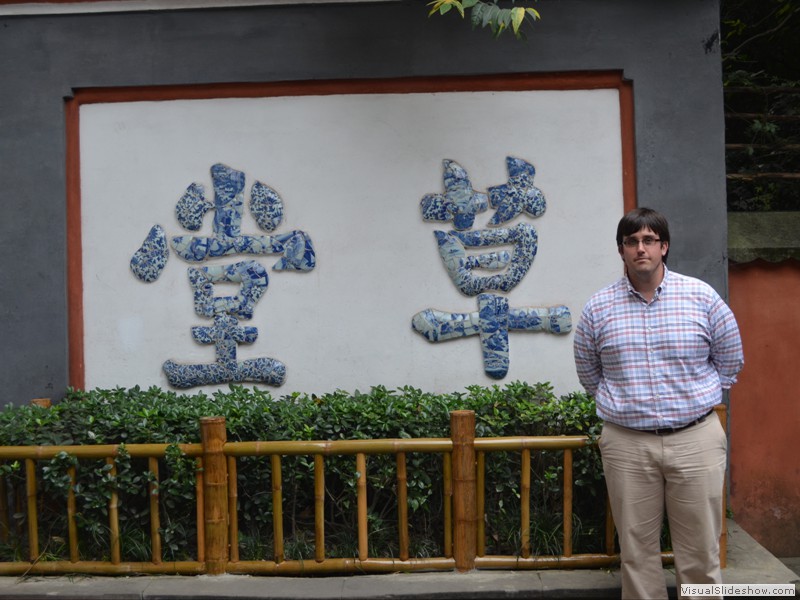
494, 318
225, 332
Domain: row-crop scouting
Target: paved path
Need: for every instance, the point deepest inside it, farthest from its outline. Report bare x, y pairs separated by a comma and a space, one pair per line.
748, 562
793, 563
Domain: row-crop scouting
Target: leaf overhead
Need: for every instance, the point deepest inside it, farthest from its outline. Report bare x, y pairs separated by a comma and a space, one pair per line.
489, 13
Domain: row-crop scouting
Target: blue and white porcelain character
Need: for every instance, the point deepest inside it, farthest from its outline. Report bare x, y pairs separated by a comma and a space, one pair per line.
295, 252
460, 203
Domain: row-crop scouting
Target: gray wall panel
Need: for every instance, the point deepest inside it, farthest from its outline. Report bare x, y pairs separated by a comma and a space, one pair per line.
666, 48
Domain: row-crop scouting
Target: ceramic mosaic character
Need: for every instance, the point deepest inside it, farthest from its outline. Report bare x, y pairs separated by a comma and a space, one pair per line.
226, 333
150, 259
494, 318
265, 205
295, 250
453, 247
459, 203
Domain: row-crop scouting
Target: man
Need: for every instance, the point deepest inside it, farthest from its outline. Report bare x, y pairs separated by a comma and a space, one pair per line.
655, 350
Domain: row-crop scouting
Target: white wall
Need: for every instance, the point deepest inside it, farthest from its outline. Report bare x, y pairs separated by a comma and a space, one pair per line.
351, 170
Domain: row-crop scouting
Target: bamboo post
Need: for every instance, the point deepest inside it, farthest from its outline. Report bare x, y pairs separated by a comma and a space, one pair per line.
480, 503
462, 432
19, 505
33, 519
447, 476
525, 504
215, 493
361, 484
277, 508
319, 508
567, 511
233, 506
610, 528
72, 526
5, 530
155, 519
402, 504
113, 516
722, 414
200, 511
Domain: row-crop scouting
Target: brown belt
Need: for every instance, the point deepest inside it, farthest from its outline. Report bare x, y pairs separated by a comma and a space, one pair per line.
668, 430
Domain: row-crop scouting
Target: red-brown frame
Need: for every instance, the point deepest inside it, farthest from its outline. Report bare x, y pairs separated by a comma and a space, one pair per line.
582, 80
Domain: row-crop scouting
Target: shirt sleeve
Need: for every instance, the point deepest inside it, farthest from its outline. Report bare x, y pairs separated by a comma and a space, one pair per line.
587, 358
726, 343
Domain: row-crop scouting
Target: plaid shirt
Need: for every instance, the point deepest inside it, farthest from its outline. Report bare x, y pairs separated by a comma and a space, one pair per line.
657, 364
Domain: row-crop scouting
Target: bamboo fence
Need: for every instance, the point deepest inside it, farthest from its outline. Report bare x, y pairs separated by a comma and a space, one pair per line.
216, 505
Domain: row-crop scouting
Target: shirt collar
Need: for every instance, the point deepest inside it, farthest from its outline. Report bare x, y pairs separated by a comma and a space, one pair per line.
664, 283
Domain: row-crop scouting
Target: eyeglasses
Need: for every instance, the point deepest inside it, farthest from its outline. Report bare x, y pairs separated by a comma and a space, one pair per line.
634, 243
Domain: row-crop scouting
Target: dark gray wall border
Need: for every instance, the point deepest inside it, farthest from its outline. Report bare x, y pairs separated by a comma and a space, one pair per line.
666, 49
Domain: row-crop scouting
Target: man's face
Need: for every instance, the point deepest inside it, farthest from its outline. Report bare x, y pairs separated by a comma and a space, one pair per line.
643, 252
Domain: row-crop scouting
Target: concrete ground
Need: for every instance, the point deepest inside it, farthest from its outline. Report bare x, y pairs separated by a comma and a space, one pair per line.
748, 562
793, 563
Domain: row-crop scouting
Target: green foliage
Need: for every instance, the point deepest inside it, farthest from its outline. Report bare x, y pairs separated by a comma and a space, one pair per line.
760, 40
134, 416
499, 18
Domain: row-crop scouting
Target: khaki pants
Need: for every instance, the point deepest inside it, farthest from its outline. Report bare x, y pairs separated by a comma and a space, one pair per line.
682, 471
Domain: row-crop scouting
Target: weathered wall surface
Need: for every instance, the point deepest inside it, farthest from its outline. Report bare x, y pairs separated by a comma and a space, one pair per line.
764, 412
350, 170
668, 51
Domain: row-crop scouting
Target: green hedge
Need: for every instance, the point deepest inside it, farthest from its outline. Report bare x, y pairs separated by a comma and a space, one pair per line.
128, 416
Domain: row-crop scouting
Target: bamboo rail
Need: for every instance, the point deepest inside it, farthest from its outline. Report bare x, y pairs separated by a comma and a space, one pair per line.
155, 521
525, 504
33, 515
447, 472
215, 484
480, 504
72, 527
5, 530
465, 512
402, 505
216, 493
319, 508
99, 451
113, 516
277, 507
361, 474
567, 511
233, 514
